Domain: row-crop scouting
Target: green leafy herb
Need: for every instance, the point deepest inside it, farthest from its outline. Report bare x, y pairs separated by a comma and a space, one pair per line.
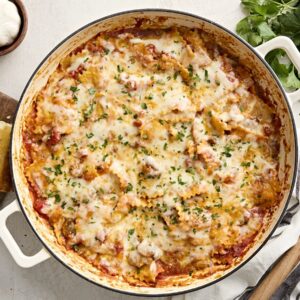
227, 151
190, 170
120, 69
89, 135
58, 170
266, 20
144, 106
74, 89
129, 188
105, 143
175, 75
206, 76
284, 69
246, 164
92, 91
191, 70
214, 216
127, 111
130, 233
57, 198
180, 181
180, 136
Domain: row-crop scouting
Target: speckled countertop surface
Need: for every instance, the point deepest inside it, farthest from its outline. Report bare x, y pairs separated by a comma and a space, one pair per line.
49, 22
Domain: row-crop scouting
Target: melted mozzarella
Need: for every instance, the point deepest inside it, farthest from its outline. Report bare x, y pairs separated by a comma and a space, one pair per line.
153, 166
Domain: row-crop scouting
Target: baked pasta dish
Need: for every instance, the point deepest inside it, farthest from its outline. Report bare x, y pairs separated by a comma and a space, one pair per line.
152, 153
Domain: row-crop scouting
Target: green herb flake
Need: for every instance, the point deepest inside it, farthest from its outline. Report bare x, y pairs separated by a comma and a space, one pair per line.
89, 135
129, 188
57, 170
144, 106
92, 91
130, 232
180, 181
246, 164
206, 78
227, 151
214, 216
191, 70
74, 89
190, 170
57, 198
120, 69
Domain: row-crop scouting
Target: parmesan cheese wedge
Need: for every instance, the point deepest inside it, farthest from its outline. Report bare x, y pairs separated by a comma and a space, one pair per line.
5, 182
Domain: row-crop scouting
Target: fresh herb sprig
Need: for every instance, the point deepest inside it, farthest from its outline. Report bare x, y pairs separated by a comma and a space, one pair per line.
266, 20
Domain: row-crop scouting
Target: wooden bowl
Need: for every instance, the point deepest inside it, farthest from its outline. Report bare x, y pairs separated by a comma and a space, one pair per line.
23, 29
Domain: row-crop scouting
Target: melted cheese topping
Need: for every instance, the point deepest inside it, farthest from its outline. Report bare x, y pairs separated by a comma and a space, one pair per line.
151, 156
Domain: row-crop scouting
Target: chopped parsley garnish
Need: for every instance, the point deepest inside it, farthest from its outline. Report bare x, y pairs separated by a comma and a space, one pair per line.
206, 76
120, 69
175, 75
87, 113
127, 111
130, 232
129, 188
92, 147
153, 234
174, 220
214, 216
89, 135
105, 143
198, 210
180, 181
246, 164
57, 198
57, 170
103, 116
191, 70
180, 136
190, 170
74, 89
92, 91
144, 106
227, 151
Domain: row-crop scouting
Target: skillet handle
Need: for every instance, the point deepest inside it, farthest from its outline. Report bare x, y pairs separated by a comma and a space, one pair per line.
285, 43
20, 258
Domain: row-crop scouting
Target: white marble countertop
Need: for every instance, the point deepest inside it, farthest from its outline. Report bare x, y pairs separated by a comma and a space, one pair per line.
49, 22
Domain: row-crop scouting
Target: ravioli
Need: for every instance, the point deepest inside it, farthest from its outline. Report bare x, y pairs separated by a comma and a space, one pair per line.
151, 154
